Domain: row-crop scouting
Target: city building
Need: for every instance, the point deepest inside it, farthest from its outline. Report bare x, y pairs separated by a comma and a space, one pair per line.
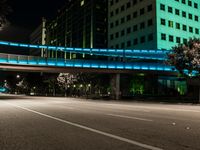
80, 23
39, 37
152, 24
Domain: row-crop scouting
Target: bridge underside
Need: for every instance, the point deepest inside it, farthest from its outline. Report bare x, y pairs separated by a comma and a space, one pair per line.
52, 69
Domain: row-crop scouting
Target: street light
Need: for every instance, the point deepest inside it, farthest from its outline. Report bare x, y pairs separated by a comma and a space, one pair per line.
18, 76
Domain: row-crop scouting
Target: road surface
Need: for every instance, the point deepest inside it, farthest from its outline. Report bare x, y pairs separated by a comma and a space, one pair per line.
43, 123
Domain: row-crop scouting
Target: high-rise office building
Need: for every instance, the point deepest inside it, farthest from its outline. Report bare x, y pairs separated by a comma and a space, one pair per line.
38, 36
80, 23
152, 24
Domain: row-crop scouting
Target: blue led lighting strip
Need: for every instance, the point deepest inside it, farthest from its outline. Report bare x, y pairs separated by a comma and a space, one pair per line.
125, 53
38, 61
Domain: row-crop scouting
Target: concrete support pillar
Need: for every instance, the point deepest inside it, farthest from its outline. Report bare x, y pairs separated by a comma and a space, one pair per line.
115, 87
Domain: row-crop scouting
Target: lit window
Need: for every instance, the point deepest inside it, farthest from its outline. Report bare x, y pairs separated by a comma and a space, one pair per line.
170, 24
82, 2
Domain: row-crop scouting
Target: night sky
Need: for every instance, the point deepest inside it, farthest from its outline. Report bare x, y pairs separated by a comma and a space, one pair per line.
26, 16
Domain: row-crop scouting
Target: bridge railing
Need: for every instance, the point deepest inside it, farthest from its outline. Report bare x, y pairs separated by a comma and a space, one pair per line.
75, 63
126, 53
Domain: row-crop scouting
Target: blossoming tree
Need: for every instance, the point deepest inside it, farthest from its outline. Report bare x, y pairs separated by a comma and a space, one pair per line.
186, 59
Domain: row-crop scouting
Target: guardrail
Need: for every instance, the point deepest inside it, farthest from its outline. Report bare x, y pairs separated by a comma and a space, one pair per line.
125, 53
38, 61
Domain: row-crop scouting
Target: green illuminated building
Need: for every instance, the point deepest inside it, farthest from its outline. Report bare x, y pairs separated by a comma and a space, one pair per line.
152, 24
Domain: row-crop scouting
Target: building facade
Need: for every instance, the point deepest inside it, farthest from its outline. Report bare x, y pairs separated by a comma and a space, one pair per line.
152, 24
80, 23
39, 37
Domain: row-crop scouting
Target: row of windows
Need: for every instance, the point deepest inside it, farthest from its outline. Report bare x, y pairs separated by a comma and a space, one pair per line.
135, 28
134, 2
178, 12
127, 18
142, 10
135, 42
189, 3
172, 38
171, 24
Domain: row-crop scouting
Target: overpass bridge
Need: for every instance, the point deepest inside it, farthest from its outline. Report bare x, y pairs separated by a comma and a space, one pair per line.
11, 62
138, 60
150, 61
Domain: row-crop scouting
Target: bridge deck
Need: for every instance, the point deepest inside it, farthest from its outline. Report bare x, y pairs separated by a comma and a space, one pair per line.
19, 61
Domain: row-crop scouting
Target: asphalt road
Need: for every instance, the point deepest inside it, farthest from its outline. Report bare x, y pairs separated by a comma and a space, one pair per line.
42, 123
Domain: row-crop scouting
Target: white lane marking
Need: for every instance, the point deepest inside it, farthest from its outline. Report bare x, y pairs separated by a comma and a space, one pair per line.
89, 129
128, 117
